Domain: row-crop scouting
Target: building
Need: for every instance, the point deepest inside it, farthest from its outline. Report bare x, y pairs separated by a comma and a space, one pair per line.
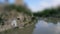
19, 2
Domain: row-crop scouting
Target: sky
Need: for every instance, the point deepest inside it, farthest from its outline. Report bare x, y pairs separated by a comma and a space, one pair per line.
36, 5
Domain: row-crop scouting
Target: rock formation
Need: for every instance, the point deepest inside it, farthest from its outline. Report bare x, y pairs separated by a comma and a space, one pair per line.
12, 18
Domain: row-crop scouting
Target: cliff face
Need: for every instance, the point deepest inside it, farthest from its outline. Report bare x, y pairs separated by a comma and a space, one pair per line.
13, 18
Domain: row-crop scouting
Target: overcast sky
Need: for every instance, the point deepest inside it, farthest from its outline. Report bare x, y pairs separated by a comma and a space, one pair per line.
36, 5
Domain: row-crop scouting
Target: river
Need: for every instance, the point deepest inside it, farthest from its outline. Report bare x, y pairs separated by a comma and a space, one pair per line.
47, 27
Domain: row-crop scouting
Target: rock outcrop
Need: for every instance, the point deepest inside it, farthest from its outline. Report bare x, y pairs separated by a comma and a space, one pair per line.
13, 17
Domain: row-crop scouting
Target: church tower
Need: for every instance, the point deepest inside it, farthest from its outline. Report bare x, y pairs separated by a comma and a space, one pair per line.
19, 2
16, 2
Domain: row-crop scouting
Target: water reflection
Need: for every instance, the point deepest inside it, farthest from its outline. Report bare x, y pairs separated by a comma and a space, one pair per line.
47, 27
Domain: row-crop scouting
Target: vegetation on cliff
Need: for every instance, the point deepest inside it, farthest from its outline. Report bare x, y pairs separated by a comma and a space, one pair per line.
19, 9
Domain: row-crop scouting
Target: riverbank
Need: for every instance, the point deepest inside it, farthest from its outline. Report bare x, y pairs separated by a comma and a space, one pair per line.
25, 30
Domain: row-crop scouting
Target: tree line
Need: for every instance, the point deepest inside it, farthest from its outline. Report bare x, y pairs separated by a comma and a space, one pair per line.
49, 12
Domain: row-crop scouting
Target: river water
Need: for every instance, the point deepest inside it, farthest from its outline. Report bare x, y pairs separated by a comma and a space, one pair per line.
47, 27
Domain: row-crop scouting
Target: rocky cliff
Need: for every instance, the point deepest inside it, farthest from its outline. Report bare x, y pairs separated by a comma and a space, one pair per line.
12, 16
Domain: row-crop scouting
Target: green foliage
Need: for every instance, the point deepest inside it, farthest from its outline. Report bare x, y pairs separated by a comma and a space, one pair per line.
33, 18
53, 12
1, 21
24, 10
19, 9
12, 6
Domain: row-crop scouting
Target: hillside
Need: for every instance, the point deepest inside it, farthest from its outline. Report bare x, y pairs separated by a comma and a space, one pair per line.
12, 16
